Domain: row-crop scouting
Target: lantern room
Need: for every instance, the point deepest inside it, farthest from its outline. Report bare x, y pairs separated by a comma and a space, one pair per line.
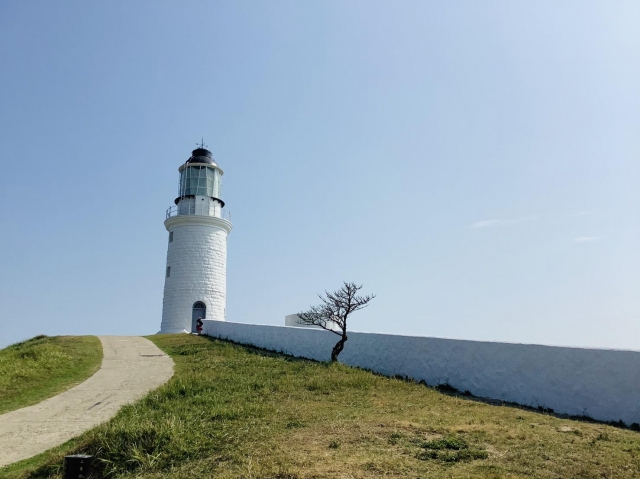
201, 176
200, 190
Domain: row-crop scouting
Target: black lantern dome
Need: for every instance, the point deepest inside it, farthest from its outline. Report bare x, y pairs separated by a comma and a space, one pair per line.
201, 155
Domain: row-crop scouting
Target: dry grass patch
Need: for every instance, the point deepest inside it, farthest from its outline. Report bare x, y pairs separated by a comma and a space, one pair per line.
365, 449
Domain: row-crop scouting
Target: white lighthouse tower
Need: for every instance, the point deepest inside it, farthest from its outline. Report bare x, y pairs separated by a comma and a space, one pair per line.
195, 284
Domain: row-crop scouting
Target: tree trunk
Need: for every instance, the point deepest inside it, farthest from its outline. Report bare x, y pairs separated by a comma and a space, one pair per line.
337, 349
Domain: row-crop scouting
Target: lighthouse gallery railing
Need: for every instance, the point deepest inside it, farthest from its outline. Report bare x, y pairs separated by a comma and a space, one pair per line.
198, 210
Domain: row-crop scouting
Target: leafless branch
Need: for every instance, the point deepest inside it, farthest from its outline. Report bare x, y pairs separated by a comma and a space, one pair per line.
333, 312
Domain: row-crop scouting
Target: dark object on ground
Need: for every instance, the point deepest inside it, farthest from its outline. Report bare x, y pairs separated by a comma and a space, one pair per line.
77, 466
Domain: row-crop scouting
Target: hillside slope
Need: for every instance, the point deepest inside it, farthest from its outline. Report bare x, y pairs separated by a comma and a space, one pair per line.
44, 366
231, 412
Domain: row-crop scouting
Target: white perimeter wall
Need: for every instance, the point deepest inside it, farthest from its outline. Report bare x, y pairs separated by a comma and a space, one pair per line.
603, 384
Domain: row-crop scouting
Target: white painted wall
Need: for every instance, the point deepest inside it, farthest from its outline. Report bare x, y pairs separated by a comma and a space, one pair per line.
600, 383
292, 320
198, 260
199, 205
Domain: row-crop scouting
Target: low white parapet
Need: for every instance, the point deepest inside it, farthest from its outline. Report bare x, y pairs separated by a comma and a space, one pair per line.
599, 383
291, 320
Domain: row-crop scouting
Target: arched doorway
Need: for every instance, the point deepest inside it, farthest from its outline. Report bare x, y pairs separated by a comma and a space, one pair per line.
199, 311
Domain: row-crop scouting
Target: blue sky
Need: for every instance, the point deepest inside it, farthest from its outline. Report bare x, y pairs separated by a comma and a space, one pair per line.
474, 164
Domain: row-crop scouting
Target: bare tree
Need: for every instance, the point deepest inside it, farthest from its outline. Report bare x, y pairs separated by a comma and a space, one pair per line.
334, 311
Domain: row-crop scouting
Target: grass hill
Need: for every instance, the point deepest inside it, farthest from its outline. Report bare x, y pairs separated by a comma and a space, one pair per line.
236, 412
44, 366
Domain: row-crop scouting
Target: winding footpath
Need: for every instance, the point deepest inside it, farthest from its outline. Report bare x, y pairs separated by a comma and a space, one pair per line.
131, 367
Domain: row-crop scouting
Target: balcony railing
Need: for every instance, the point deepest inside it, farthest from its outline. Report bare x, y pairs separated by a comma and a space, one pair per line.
198, 210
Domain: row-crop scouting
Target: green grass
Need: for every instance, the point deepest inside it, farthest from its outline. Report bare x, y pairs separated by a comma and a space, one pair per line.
235, 412
44, 366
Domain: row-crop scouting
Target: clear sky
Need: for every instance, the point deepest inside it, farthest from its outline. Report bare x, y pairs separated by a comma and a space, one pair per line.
474, 164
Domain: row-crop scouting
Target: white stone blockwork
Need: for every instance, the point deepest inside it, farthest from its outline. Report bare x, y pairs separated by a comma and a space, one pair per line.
197, 258
599, 383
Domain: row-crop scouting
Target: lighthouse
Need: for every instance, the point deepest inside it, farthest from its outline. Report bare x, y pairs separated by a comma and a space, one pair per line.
195, 284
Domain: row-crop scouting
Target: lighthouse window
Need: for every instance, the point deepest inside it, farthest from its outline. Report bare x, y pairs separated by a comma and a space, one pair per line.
197, 180
168, 271
171, 237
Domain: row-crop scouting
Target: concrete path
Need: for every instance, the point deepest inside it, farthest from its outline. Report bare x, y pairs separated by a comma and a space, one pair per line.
131, 366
